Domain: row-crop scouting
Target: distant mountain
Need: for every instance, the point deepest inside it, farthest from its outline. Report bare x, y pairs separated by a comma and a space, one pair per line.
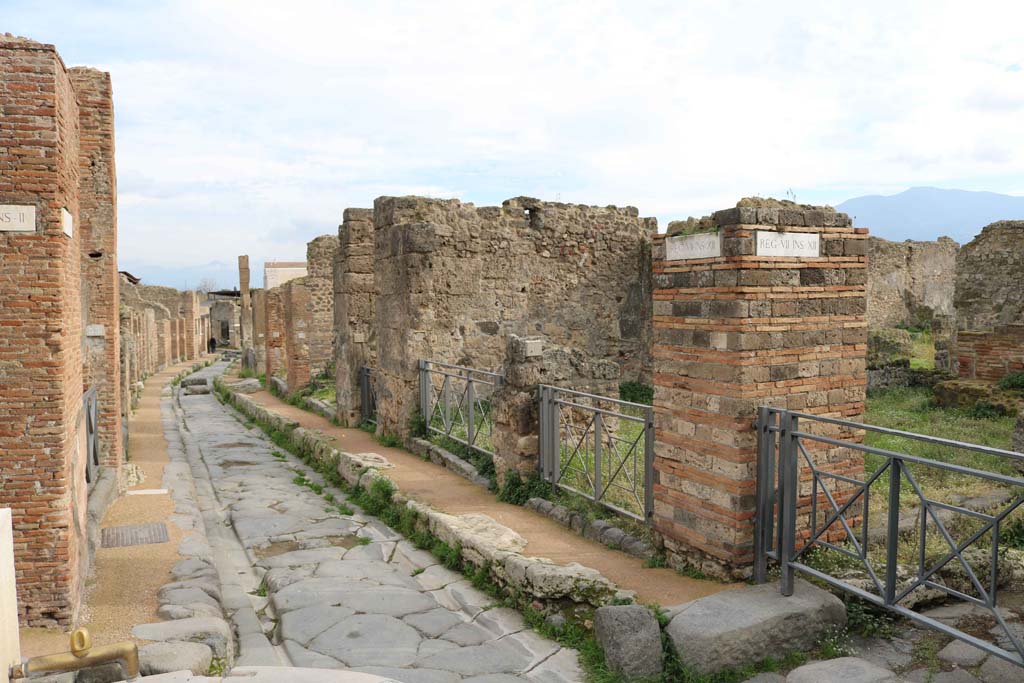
926, 213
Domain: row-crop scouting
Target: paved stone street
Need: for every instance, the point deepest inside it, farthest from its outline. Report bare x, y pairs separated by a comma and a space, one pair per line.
341, 591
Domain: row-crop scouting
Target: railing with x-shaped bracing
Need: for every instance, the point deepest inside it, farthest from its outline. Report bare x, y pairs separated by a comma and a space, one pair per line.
598, 447
783, 467
455, 402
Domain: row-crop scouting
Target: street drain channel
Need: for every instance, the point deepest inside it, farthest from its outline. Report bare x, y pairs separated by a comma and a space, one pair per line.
133, 534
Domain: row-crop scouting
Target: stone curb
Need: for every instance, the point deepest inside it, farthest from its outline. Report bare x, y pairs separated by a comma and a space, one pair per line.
448, 460
319, 407
537, 577
600, 530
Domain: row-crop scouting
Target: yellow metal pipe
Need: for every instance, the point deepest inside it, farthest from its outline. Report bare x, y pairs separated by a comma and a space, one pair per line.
82, 656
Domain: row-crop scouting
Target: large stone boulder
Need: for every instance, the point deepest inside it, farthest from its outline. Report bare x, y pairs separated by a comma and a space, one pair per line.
211, 631
159, 658
631, 639
737, 628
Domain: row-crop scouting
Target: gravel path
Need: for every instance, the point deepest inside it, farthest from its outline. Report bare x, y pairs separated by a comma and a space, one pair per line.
342, 591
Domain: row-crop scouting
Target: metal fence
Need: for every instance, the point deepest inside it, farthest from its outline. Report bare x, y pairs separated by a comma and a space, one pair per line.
783, 441
90, 406
368, 395
598, 447
455, 402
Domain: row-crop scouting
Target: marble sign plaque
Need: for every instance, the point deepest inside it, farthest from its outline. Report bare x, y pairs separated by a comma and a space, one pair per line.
14, 218
701, 245
791, 244
67, 221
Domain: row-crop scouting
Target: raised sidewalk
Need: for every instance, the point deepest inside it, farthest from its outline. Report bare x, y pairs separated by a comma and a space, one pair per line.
445, 491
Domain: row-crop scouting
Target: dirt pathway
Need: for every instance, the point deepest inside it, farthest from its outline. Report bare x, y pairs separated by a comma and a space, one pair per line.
122, 590
448, 492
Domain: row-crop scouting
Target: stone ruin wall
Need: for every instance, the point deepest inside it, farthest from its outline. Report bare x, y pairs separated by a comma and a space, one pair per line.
225, 311
259, 327
910, 283
736, 332
988, 342
319, 284
454, 281
355, 295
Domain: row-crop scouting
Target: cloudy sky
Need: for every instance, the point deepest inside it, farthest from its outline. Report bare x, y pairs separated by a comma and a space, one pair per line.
247, 127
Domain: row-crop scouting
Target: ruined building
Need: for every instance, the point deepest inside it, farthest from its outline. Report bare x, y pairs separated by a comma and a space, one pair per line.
59, 317
989, 301
910, 283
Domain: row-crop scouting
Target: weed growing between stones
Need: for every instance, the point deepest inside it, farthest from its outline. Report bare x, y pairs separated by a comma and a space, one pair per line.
517, 491
483, 462
377, 500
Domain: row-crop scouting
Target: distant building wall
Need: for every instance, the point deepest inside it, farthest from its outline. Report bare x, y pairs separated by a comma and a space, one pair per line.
276, 273
910, 283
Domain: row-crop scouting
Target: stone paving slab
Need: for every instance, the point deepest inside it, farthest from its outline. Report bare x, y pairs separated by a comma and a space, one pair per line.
346, 591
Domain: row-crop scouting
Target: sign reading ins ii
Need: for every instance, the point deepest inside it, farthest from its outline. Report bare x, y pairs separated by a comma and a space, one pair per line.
701, 245
792, 244
15, 218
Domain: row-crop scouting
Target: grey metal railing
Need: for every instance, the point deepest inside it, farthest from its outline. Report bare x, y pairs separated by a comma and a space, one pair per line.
368, 395
598, 447
781, 458
455, 402
90, 406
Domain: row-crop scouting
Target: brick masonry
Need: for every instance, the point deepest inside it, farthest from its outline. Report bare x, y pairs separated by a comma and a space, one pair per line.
355, 295
990, 355
259, 327
41, 417
275, 361
319, 284
245, 314
98, 233
298, 331
735, 332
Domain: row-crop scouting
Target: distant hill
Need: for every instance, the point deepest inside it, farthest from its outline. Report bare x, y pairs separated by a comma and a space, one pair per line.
926, 213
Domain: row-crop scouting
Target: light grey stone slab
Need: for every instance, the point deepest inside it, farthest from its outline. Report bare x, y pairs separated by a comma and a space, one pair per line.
303, 625
302, 657
166, 657
494, 657
369, 640
843, 669
434, 622
963, 654
631, 639
996, 670
412, 675
926, 676
561, 667
767, 677
740, 627
211, 631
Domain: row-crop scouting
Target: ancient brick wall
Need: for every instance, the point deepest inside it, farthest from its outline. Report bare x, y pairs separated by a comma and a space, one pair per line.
355, 294
741, 330
454, 281
988, 278
298, 324
245, 303
259, 327
193, 338
98, 233
41, 416
990, 355
319, 285
275, 362
910, 283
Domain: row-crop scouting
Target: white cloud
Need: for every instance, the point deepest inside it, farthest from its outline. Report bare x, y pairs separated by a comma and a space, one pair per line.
249, 126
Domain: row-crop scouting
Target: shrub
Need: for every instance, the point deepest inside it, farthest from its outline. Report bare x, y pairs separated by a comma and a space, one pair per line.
636, 392
517, 491
1015, 380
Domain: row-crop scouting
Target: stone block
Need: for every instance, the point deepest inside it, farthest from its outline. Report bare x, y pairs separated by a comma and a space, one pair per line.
740, 627
631, 640
845, 669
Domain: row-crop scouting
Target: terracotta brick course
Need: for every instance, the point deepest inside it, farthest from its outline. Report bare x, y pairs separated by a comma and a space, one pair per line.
42, 446
735, 332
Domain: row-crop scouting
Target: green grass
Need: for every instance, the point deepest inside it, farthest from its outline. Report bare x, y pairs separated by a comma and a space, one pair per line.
910, 409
